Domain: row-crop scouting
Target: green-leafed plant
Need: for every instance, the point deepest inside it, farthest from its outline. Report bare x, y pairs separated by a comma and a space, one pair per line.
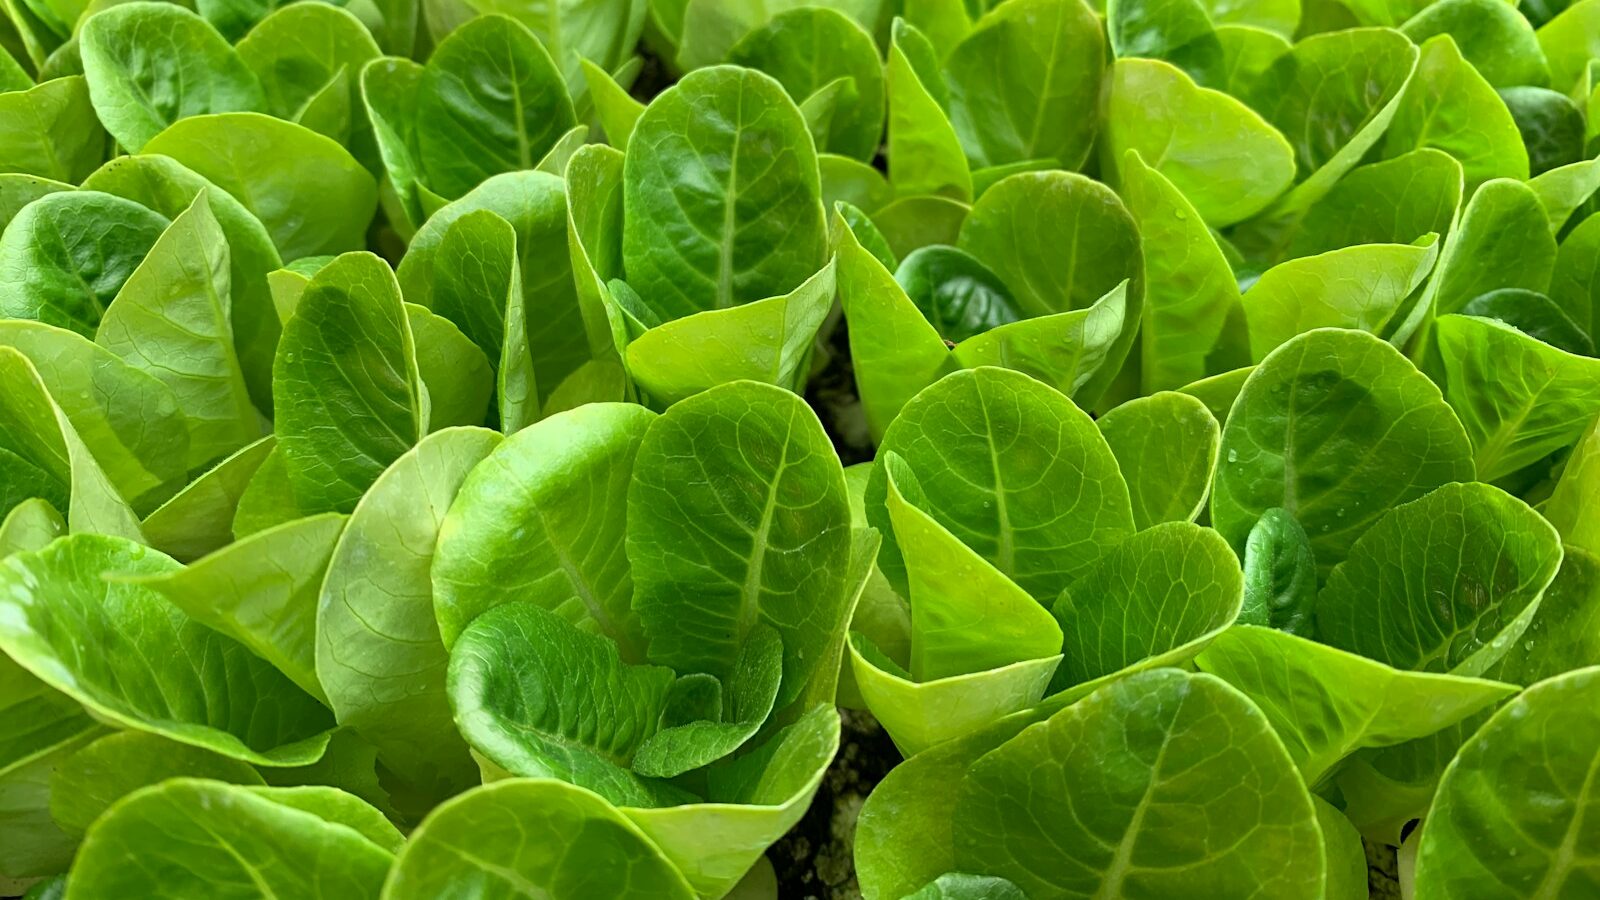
459, 448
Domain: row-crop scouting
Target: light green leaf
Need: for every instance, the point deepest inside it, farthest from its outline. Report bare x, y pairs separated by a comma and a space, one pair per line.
722, 195
51, 131
1247, 53
1175, 31
389, 89
767, 340
1280, 575
1451, 107
29, 525
1524, 779
206, 837
1025, 83
1325, 703
545, 515
1504, 240
1571, 507
1570, 40
378, 655
1363, 287
508, 830
64, 256
912, 222
1575, 282
278, 170
1396, 201
1336, 427
617, 110
1014, 471
173, 320
1190, 290
346, 385
93, 778
456, 375
1102, 798
199, 519
268, 498
1166, 445
1064, 350
738, 514
160, 671
1518, 397
688, 742
926, 152
1564, 189
1492, 35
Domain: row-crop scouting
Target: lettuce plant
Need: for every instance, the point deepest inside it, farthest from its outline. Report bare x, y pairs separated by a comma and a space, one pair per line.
468, 449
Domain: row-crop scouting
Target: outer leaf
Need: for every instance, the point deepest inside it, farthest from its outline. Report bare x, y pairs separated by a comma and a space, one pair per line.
507, 830
1014, 471
1190, 290
378, 653
93, 778
1504, 240
150, 64
1325, 704
1450, 107
346, 360
160, 670
1129, 768
1493, 36
64, 256
1025, 83
1166, 446
1066, 350
1524, 778
1397, 201
1518, 397
51, 131
1569, 42
1441, 584
738, 514
1223, 157
278, 170
722, 197
542, 518
203, 836
1336, 427
490, 101
173, 320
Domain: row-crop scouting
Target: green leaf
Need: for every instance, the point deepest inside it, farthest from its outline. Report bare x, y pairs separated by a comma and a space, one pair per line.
1441, 584
535, 204
1156, 599
389, 89
738, 514
895, 350
1451, 107
160, 671
93, 778
262, 592
1190, 291
17, 191
127, 419
278, 170
150, 64
1493, 36
959, 886
545, 514
1570, 507
1333, 96
722, 196
1166, 445
456, 375
1146, 754
1060, 242
807, 48
617, 111
508, 830
769, 341
45, 457
925, 149
66, 255
955, 292
378, 652
1564, 189
1064, 350
1176, 31
541, 699
30, 525
1336, 427
1524, 778
1551, 124
1504, 240
1280, 575
167, 187
1396, 201
173, 320
1518, 397
202, 837
1363, 287
346, 385
268, 498
1533, 314
1325, 703
1569, 42
1247, 53
1025, 83
983, 442
912, 222
51, 131
298, 53
199, 519
491, 100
